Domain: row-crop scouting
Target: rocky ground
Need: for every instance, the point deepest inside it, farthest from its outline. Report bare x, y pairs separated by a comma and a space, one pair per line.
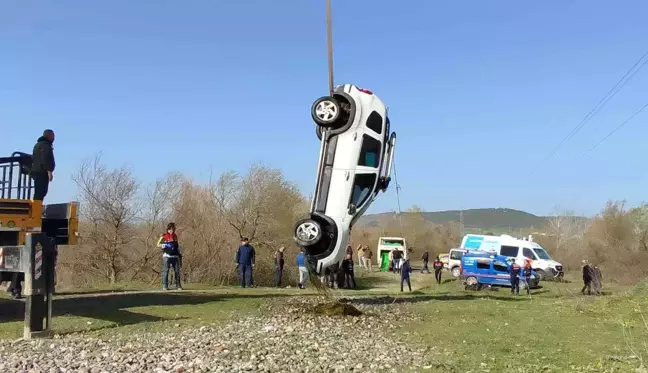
291, 338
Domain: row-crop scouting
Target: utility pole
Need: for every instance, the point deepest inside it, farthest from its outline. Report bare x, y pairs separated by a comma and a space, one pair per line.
461, 223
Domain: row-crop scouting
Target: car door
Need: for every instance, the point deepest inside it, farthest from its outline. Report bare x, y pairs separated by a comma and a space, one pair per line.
367, 169
483, 269
501, 271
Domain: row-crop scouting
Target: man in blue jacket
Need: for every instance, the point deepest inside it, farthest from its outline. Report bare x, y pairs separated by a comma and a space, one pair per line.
515, 270
303, 271
245, 258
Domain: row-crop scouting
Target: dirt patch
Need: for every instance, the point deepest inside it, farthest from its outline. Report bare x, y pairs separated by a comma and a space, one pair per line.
336, 309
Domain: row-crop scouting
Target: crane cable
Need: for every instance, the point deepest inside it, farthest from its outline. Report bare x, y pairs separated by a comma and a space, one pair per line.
329, 41
398, 187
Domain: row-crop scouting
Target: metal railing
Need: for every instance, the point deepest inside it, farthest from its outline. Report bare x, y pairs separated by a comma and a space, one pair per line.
15, 182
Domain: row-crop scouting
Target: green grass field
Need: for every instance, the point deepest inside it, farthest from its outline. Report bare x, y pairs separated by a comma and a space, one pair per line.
554, 330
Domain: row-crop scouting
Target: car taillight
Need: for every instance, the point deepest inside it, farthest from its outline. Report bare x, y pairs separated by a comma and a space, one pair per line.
365, 91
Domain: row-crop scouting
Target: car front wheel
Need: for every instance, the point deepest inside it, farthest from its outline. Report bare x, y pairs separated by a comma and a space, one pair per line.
308, 232
326, 111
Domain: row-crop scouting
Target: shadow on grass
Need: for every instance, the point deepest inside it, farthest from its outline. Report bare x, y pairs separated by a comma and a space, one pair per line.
416, 298
370, 282
114, 307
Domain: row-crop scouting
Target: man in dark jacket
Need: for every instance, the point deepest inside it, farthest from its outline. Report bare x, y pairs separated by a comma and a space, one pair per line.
426, 259
347, 268
245, 259
515, 271
405, 274
43, 164
597, 279
587, 278
279, 265
397, 255
438, 268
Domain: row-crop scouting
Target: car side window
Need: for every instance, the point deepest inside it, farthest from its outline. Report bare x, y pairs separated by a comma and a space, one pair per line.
456, 255
370, 152
483, 264
374, 122
510, 251
528, 253
363, 185
500, 267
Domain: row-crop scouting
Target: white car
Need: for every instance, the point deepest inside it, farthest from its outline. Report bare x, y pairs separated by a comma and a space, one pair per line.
355, 163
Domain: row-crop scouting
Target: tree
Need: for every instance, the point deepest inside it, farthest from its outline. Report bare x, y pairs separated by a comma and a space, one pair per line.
109, 209
565, 227
156, 212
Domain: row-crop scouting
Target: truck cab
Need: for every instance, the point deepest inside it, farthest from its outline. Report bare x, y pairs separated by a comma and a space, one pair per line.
20, 214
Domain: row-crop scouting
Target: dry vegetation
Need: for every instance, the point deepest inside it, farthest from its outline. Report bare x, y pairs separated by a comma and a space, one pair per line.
121, 219
616, 240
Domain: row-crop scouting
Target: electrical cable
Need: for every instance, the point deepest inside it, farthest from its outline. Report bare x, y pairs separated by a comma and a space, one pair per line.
616, 129
597, 108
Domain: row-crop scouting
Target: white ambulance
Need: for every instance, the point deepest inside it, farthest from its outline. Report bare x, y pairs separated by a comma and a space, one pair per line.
520, 249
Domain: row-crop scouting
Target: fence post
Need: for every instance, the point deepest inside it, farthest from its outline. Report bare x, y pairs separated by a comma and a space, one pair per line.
38, 302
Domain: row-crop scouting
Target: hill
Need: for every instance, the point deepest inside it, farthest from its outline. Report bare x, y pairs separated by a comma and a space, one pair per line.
479, 219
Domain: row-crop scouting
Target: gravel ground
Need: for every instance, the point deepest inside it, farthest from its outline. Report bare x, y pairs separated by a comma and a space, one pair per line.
290, 339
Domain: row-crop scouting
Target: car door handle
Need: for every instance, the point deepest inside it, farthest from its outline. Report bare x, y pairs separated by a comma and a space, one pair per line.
347, 174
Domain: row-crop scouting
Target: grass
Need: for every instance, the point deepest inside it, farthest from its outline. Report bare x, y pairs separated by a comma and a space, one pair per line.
554, 330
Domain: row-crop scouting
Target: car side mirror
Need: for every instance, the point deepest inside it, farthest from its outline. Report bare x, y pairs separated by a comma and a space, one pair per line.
352, 209
384, 182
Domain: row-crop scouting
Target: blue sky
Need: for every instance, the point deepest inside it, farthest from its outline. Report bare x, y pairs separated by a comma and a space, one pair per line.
479, 91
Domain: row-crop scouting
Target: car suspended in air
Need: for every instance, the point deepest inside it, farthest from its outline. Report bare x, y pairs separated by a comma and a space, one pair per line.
355, 163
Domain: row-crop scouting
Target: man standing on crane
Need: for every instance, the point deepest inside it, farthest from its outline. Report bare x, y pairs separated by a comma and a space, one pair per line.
43, 164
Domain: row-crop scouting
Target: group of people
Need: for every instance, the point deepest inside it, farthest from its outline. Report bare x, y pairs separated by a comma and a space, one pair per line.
342, 276
520, 272
402, 266
592, 279
437, 265
365, 257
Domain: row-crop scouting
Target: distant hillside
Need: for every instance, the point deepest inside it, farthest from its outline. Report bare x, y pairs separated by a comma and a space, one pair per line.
481, 219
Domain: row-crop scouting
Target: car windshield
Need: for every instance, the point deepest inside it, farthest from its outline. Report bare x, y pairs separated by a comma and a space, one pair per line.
455, 255
542, 254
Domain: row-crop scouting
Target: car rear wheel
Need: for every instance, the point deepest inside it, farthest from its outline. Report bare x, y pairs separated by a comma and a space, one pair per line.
326, 111
307, 232
455, 272
471, 281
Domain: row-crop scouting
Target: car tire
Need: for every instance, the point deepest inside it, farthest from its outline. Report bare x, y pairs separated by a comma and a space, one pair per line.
326, 112
542, 275
455, 271
307, 232
471, 281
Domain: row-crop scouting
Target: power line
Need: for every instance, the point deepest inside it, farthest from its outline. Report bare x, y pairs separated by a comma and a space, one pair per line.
616, 128
604, 100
